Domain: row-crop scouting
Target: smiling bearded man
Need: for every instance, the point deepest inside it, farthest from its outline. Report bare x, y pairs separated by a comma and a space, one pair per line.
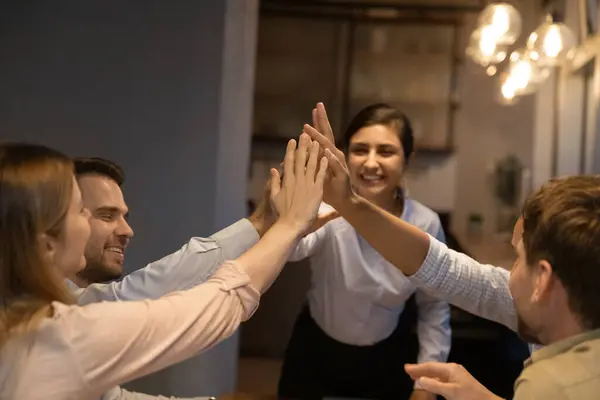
100, 182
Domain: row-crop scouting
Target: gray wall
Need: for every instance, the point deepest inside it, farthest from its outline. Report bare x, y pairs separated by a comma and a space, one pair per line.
163, 88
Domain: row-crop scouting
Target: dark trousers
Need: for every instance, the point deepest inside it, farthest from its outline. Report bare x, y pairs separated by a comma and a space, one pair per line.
317, 366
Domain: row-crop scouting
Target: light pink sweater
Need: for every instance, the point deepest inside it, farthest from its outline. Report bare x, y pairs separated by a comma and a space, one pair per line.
82, 351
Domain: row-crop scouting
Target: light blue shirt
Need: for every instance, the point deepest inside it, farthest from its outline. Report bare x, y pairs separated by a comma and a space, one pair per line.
356, 296
189, 266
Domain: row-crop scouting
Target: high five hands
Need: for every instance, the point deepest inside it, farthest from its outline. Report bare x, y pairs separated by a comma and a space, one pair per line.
266, 212
337, 190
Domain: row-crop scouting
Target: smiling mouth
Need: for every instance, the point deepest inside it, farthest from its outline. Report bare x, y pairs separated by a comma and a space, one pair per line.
371, 178
113, 249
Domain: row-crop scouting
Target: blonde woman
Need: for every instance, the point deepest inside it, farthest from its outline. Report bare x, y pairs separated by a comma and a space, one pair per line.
51, 348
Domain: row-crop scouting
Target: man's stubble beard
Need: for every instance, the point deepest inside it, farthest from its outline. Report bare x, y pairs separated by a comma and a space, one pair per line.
96, 272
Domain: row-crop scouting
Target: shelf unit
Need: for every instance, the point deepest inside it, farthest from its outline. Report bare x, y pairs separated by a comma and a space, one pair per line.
348, 64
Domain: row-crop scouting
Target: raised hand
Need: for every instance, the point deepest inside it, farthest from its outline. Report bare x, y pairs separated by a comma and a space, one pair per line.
265, 215
337, 189
321, 122
297, 196
450, 380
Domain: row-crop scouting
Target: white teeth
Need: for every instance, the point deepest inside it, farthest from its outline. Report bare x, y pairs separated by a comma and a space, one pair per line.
371, 178
115, 249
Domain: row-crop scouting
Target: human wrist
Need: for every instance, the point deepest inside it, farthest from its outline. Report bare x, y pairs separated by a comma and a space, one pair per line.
350, 204
292, 226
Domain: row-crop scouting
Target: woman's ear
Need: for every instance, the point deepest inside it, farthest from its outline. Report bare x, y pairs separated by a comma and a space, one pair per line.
47, 247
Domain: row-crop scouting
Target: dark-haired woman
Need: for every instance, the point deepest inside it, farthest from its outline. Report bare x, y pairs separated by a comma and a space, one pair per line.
353, 337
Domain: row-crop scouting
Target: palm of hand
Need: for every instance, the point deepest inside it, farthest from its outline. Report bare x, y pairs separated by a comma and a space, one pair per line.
336, 187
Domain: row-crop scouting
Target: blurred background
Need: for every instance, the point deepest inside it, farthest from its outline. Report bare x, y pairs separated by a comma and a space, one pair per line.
196, 99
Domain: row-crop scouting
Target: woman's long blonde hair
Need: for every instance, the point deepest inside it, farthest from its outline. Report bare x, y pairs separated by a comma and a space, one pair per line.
36, 187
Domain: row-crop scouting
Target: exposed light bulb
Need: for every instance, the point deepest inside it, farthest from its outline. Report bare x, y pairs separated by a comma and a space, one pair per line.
504, 21
521, 74
500, 21
525, 73
508, 89
552, 42
483, 47
487, 42
507, 92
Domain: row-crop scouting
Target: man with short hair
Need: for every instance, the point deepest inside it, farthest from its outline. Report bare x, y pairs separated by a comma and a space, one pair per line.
100, 181
554, 284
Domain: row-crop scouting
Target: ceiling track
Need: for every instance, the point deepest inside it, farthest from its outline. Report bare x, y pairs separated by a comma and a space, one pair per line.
353, 6
378, 12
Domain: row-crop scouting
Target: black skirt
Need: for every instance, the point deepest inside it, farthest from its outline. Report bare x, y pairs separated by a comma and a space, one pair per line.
317, 366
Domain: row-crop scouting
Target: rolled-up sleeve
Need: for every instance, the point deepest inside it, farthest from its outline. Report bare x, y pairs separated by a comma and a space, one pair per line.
433, 328
146, 336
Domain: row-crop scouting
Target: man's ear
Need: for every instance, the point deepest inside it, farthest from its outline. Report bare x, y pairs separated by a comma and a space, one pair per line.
543, 280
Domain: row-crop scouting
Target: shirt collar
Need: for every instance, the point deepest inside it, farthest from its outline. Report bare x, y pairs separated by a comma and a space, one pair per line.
562, 346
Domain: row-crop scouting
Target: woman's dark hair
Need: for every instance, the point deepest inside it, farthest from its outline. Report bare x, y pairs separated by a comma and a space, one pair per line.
383, 114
